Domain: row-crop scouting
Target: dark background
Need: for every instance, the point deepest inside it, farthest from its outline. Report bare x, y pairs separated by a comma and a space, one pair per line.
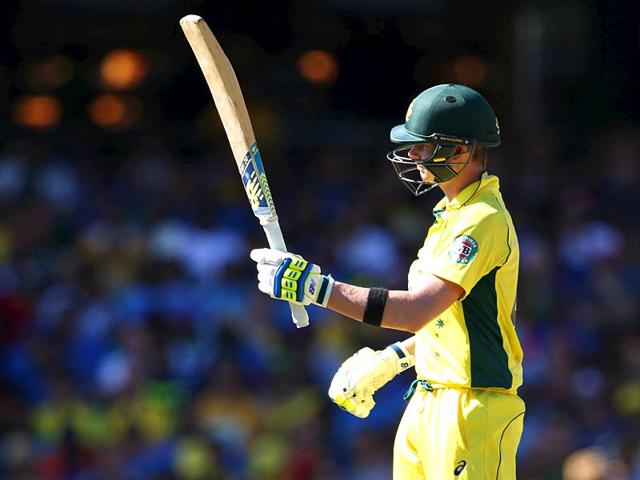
134, 343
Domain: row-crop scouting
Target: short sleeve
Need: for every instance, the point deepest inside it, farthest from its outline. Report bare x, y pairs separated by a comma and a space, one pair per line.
471, 248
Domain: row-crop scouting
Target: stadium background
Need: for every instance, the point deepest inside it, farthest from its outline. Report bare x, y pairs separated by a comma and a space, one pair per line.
134, 342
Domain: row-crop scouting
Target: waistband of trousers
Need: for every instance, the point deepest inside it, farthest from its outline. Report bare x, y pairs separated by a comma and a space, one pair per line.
430, 386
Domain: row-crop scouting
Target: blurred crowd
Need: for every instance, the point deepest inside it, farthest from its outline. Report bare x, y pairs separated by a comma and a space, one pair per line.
135, 344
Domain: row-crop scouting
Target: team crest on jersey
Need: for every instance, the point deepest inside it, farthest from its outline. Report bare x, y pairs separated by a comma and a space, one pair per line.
463, 250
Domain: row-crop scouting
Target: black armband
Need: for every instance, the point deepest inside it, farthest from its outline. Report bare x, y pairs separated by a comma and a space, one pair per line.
375, 306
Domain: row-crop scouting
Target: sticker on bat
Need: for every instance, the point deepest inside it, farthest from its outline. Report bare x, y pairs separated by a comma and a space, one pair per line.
255, 183
263, 178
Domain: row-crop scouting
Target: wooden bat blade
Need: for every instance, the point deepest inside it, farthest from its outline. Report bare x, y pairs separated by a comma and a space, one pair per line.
223, 84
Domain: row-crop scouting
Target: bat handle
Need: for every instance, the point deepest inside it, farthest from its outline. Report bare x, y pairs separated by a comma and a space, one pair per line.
299, 315
272, 230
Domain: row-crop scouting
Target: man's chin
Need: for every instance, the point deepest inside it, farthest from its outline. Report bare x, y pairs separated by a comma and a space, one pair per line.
428, 178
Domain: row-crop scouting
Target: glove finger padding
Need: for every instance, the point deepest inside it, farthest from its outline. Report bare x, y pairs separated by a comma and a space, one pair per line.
345, 381
362, 356
266, 273
359, 405
289, 277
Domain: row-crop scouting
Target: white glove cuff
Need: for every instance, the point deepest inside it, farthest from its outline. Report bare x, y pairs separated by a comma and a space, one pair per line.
403, 359
325, 290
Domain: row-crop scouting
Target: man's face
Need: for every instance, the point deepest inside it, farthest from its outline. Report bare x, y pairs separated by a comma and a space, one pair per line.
420, 152
425, 151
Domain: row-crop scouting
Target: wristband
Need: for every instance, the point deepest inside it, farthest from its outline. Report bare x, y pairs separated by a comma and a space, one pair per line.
405, 359
375, 306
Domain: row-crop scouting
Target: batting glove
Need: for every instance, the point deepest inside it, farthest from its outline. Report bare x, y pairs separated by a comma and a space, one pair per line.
362, 374
290, 277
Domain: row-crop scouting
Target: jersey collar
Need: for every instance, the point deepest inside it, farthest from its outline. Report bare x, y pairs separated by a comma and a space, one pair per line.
487, 183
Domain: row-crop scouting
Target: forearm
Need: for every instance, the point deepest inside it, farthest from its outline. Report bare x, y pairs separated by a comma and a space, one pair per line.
404, 310
351, 301
409, 344
288, 277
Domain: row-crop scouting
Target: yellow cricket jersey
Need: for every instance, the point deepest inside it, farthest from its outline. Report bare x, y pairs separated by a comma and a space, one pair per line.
472, 243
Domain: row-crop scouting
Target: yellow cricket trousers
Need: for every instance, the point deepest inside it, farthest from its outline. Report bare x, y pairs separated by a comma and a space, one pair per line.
458, 434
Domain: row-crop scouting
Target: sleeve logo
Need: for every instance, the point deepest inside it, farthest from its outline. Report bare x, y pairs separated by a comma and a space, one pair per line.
463, 250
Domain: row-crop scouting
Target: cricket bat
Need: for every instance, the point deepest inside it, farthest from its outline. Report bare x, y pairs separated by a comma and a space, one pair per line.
229, 101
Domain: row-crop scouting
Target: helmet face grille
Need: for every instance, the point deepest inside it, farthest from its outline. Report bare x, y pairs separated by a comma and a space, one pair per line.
410, 177
439, 164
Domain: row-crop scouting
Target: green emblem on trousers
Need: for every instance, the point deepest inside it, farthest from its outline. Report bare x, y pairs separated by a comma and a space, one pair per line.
464, 249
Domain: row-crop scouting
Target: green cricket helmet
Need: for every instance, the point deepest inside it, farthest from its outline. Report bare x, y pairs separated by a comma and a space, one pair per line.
445, 117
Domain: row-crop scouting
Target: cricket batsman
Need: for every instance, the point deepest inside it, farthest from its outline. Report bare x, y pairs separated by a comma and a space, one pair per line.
464, 417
